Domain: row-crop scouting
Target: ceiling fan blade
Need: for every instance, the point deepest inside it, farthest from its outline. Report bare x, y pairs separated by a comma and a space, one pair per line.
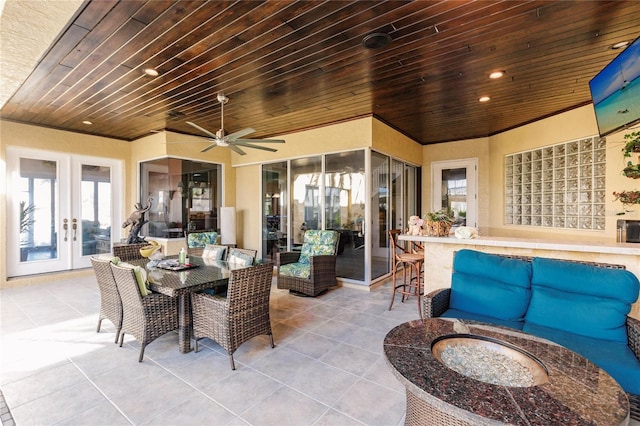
213, 145
213, 135
260, 140
237, 150
248, 145
240, 133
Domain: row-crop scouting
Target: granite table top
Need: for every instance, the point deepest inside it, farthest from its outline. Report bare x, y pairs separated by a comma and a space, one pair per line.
577, 391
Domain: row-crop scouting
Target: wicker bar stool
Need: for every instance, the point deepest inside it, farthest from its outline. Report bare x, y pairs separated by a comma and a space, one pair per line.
411, 264
110, 302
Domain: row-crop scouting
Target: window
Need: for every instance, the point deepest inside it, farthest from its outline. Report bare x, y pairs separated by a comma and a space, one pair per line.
184, 194
559, 186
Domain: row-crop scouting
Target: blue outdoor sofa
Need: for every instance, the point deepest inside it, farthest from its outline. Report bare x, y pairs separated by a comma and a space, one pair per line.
583, 306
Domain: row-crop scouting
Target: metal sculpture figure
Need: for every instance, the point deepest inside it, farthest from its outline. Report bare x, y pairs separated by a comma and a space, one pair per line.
136, 220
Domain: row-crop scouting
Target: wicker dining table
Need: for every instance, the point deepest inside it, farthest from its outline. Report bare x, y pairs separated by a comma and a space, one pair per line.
204, 274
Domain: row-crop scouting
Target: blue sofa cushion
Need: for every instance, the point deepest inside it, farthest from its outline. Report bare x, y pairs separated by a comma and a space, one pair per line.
490, 285
454, 313
582, 299
615, 358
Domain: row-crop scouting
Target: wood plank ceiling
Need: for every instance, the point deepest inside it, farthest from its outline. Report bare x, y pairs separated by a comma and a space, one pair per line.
292, 65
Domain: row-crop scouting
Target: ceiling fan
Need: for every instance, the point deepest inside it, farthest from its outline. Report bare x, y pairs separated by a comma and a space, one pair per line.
233, 140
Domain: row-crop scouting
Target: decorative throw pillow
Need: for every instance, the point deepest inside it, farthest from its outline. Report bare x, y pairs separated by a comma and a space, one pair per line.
212, 251
240, 258
141, 277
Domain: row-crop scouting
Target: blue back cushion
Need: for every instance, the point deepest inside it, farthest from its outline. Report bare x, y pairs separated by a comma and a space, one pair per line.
490, 285
583, 299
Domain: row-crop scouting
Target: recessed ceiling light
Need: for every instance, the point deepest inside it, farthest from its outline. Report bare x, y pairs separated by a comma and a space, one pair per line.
496, 74
620, 45
87, 122
151, 72
484, 99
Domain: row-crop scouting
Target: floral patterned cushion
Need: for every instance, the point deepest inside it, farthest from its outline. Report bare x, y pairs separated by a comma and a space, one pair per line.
201, 239
300, 270
317, 243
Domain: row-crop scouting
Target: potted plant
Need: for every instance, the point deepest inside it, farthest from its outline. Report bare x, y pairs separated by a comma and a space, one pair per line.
632, 170
438, 224
632, 144
26, 221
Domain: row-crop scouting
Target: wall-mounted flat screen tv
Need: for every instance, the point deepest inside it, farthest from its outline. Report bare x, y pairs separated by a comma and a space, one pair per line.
615, 91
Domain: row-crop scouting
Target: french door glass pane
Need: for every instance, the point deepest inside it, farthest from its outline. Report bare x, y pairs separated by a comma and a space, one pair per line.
37, 201
454, 194
95, 208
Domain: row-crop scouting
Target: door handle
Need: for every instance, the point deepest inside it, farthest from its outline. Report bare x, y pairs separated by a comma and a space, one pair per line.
75, 228
65, 226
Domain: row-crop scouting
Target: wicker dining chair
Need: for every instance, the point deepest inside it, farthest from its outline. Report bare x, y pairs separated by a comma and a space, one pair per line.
148, 317
110, 302
242, 315
127, 252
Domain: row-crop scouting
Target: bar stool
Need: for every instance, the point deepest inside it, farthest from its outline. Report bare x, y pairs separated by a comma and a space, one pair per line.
409, 262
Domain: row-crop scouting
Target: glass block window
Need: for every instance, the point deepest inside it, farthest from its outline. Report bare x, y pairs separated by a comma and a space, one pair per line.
557, 186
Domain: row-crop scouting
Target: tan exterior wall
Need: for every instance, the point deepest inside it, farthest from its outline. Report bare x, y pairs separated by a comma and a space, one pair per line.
389, 141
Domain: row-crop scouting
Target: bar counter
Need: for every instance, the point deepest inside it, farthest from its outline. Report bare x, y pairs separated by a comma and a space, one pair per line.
438, 254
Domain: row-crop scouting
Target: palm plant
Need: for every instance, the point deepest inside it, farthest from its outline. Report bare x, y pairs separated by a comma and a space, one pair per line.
26, 216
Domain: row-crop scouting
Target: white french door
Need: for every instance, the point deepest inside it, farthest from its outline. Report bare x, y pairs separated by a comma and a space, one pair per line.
60, 210
454, 189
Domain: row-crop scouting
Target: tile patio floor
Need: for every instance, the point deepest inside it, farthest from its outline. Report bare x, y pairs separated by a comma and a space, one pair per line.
327, 367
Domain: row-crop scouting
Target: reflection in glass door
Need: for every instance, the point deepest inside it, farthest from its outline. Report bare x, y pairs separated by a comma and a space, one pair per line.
454, 190
345, 210
274, 209
380, 220
60, 210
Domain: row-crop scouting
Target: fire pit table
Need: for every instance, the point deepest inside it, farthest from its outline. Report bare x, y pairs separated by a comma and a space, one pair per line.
447, 367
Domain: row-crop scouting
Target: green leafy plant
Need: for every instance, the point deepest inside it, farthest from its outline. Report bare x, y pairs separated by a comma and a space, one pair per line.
26, 216
632, 144
627, 197
632, 170
439, 216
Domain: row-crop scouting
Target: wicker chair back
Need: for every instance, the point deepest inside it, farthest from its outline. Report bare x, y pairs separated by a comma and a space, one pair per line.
110, 302
242, 315
146, 318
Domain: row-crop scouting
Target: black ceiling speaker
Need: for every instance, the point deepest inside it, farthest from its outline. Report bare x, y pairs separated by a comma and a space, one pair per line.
376, 40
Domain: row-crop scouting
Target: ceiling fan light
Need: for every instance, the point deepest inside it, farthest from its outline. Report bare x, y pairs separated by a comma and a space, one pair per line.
496, 74
484, 99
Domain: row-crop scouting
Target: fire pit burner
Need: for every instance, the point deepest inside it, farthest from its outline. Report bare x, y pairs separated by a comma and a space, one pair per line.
489, 360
